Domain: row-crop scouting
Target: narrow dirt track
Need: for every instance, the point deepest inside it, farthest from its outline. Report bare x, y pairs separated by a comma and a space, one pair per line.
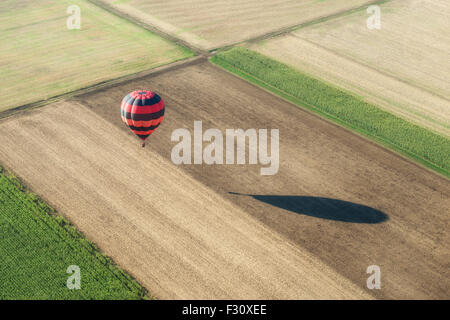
183, 234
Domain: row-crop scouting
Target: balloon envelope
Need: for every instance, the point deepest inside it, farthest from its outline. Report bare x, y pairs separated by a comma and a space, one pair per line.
143, 112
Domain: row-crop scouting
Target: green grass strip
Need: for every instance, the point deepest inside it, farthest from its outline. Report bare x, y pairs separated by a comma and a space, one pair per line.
346, 109
37, 247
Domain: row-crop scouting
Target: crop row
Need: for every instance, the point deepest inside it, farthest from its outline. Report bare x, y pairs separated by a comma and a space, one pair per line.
349, 110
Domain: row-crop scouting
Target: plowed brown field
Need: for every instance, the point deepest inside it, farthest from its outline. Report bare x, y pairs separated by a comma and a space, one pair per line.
210, 24
402, 67
337, 205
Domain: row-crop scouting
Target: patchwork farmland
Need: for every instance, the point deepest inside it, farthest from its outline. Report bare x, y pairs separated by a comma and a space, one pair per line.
430, 149
339, 202
131, 222
403, 67
39, 52
214, 24
37, 249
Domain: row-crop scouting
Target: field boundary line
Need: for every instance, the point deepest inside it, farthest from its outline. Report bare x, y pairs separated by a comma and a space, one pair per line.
149, 27
289, 29
103, 85
296, 102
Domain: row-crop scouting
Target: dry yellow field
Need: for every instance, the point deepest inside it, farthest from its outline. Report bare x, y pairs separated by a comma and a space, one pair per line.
210, 24
403, 67
339, 202
41, 58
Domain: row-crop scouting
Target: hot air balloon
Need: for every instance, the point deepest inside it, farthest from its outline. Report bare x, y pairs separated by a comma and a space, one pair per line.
143, 112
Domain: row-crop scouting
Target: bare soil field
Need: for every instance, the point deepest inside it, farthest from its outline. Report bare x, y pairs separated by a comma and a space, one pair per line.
403, 67
211, 24
178, 237
41, 58
338, 204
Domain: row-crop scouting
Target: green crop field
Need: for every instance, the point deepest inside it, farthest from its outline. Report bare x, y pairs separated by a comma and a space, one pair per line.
37, 247
349, 110
40, 57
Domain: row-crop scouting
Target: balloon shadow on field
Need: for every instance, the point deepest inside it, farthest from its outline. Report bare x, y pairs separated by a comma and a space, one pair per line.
324, 208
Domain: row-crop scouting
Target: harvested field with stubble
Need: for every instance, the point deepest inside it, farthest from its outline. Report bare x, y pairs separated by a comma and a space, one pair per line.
41, 58
226, 231
212, 24
403, 67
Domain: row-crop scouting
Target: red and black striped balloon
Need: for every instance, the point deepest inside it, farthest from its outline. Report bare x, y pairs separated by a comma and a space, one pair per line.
143, 112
